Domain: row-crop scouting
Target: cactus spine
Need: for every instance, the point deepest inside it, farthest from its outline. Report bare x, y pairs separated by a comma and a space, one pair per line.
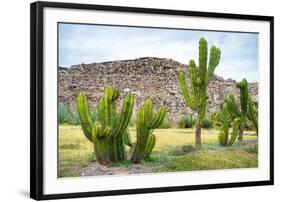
233, 108
224, 120
107, 132
147, 120
199, 79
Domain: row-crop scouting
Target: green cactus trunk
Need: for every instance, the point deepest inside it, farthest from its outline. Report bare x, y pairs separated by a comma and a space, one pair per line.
146, 122
199, 79
107, 132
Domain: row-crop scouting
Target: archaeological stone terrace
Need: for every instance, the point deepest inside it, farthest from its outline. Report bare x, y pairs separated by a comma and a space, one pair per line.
156, 78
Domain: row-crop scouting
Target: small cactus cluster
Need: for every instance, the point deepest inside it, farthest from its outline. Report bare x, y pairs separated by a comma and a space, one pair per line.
235, 116
147, 120
199, 78
233, 107
109, 131
224, 120
247, 108
252, 114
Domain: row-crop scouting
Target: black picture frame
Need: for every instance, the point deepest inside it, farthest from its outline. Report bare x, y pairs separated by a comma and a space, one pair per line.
36, 98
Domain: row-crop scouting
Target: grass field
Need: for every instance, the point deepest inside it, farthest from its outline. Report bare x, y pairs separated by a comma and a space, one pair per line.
170, 154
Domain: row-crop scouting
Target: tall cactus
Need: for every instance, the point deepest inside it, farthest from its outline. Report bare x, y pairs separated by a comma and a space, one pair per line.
233, 107
224, 120
107, 132
199, 79
147, 120
252, 114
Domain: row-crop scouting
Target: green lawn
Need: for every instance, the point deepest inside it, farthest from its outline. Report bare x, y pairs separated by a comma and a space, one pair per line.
76, 152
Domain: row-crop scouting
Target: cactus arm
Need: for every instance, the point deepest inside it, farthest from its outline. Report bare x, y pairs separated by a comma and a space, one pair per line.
221, 137
158, 118
234, 133
149, 146
100, 144
121, 151
84, 115
232, 107
125, 115
108, 106
244, 98
203, 57
148, 111
225, 125
100, 111
188, 99
252, 114
244, 94
213, 63
224, 119
140, 123
115, 94
195, 81
127, 138
141, 137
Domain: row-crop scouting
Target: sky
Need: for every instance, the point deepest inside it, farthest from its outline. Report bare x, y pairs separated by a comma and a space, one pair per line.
80, 43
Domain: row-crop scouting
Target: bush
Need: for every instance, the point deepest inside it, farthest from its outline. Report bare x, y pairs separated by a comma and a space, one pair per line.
63, 113
74, 119
207, 123
187, 148
186, 122
165, 124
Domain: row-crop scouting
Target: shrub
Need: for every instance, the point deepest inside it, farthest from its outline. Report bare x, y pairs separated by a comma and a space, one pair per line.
207, 123
63, 113
186, 122
74, 119
187, 148
165, 124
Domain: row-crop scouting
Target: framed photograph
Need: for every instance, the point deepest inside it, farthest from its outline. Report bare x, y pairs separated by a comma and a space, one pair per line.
129, 100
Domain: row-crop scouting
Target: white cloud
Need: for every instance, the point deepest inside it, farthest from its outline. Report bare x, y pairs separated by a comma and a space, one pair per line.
86, 43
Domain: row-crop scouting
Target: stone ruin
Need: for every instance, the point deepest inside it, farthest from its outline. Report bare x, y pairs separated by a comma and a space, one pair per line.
156, 78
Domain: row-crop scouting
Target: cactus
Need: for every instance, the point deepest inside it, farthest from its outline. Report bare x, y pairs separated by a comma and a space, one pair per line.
149, 146
199, 79
234, 110
147, 120
107, 131
224, 120
252, 114
127, 138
